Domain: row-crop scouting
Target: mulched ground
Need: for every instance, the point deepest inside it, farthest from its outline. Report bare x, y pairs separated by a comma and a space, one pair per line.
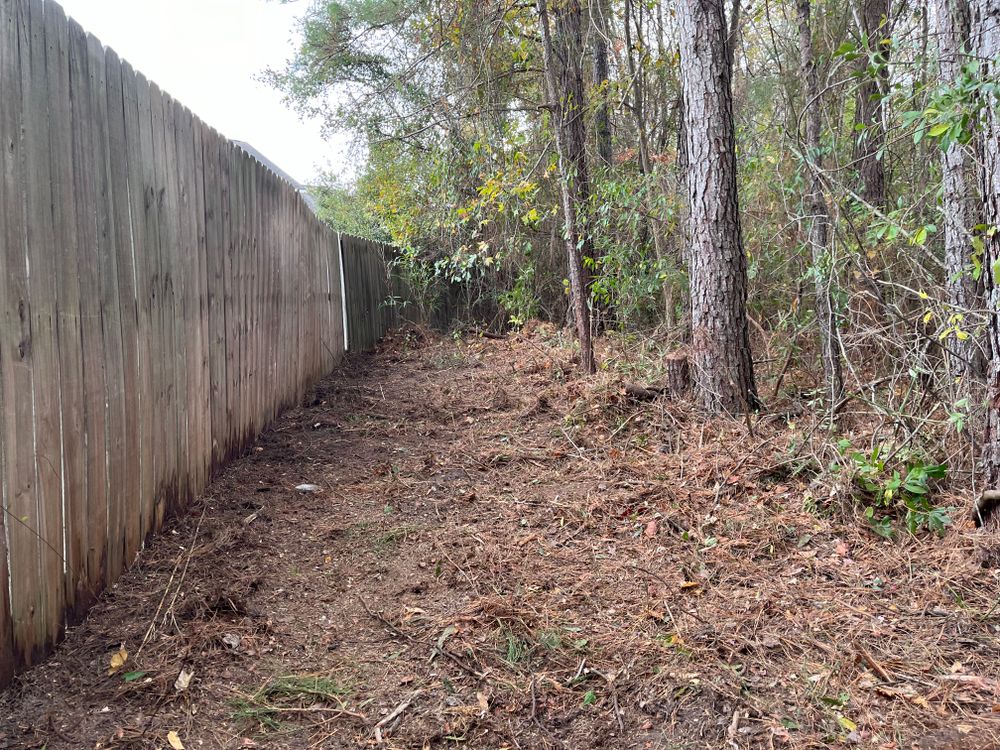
501, 554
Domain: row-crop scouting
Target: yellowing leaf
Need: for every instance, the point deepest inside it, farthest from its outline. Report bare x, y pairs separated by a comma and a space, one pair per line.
846, 723
938, 129
174, 740
118, 661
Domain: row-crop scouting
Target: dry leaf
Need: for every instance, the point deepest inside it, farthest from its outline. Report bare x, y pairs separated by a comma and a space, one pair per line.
183, 680
174, 740
118, 661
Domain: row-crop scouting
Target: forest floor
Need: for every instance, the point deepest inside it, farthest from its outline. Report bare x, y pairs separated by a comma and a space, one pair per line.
501, 554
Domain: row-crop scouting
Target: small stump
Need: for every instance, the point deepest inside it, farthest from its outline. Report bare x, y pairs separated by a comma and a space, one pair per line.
676, 381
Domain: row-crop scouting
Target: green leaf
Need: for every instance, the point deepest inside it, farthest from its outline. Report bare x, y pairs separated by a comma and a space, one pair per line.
938, 129
133, 676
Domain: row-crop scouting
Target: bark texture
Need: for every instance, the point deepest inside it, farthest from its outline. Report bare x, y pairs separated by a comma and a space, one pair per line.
564, 81
720, 339
870, 141
818, 219
964, 292
986, 43
600, 12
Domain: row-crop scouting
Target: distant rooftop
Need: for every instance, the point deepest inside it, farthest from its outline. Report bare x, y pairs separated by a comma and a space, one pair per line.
303, 190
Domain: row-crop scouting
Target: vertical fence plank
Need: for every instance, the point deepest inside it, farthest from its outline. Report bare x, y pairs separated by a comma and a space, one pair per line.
16, 630
215, 208
165, 446
127, 317
229, 243
80, 577
185, 281
145, 198
46, 518
93, 531
174, 274
110, 312
270, 249
9, 123
201, 406
239, 274
67, 288
139, 231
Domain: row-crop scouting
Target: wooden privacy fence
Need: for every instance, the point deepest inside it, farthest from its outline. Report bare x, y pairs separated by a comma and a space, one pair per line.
163, 296
376, 303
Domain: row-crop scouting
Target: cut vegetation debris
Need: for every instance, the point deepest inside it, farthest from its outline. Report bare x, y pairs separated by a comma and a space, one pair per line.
511, 557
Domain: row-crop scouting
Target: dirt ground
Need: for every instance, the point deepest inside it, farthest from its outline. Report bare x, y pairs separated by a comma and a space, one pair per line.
500, 554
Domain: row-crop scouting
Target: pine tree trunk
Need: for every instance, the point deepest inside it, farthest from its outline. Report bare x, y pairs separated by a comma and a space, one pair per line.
871, 140
818, 233
720, 338
986, 45
964, 292
564, 81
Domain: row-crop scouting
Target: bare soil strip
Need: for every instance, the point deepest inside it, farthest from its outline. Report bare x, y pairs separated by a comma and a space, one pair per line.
500, 555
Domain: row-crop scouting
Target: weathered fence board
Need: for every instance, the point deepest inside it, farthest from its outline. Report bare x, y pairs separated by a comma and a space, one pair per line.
47, 514
15, 350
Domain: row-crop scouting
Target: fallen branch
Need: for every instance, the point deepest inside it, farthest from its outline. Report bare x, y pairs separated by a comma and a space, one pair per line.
393, 715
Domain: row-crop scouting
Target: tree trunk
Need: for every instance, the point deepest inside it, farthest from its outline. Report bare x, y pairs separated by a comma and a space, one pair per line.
600, 12
964, 292
873, 88
720, 337
818, 233
986, 46
734, 35
638, 107
564, 81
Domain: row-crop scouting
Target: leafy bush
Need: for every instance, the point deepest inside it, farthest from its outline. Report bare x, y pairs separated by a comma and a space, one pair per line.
893, 484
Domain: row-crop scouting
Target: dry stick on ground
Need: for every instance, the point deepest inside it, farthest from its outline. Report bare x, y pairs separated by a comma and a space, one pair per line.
301, 709
166, 590
393, 715
403, 634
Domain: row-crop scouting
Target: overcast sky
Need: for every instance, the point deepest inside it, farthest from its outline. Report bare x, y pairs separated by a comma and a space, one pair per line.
206, 54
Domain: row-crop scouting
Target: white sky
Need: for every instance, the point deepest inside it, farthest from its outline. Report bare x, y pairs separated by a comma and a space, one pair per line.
206, 54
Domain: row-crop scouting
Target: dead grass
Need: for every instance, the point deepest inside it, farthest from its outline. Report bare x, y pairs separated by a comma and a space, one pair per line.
504, 555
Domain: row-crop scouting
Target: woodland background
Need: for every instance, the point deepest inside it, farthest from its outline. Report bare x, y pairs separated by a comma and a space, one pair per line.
830, 162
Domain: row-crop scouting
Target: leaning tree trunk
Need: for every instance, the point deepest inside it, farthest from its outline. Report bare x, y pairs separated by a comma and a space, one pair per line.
564, 81
986, 47
720, 337
819, 216
873, 88
964, 292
